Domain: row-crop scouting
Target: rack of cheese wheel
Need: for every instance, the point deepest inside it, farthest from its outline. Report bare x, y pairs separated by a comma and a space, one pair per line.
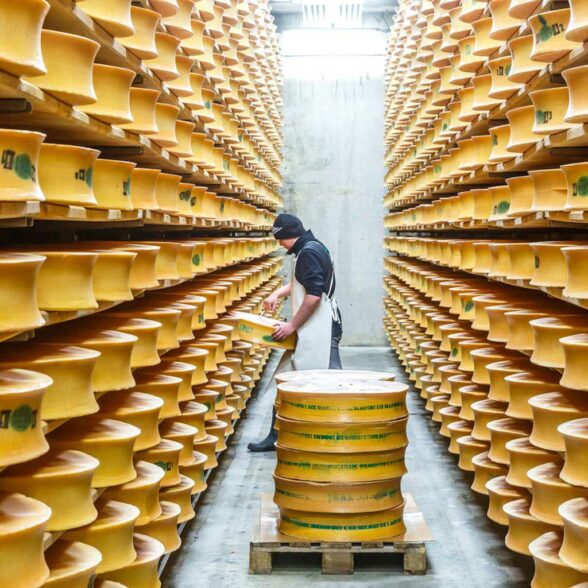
486, 304
139, 177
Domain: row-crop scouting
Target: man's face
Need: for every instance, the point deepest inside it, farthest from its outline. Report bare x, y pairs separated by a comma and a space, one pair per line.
287, 243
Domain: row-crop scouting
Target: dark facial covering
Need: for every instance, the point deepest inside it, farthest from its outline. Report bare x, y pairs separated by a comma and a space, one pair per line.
287, 226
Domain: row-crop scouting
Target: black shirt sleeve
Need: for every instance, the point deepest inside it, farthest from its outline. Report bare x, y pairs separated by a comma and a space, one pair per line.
310, 272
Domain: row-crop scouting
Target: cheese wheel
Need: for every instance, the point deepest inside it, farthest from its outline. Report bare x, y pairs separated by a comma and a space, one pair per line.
524, 456
181, 494
165, 527
181, 433
165, 455
70, 368
142, 492
342, 527
258, 329
575, 522
575, 435
523, 527
194, 414
218, 429
111, 533
342, 437
550, 492
207, 447
550, 570
111, 442
501, 493
485, 470
196, 357
342, 401
195, 471
178, 369
137, 409
23, 522
21, 434
339, 467
140, 572
337, 497
165, 388
60, 479
71, 564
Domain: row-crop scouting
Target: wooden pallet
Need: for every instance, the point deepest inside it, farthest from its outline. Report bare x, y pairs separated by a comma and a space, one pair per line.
338, 557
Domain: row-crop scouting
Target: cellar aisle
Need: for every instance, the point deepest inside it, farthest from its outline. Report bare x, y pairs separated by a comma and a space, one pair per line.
469, 551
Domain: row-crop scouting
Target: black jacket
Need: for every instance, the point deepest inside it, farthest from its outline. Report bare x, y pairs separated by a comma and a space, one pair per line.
314, 269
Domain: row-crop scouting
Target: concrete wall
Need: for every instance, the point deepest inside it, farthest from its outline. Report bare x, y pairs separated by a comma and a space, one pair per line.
333, 175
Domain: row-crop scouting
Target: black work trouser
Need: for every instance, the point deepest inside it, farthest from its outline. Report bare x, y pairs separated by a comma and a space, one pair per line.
335, 359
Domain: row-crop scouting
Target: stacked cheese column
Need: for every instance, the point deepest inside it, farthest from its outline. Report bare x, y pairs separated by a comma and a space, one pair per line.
340, 452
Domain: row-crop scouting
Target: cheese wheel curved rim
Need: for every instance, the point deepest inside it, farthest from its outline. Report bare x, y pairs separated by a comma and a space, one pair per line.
57, 478
342, 437
522, 526
309, 403
337, 497
337, 527
339, 467
347, 375
70, 562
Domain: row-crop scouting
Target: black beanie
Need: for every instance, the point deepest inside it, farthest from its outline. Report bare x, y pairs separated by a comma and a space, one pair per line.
287, 226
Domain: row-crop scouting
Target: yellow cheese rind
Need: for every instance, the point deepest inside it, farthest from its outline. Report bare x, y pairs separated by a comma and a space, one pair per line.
341, 401
334, 497
336, 527
258, 329
342, 437
339, 467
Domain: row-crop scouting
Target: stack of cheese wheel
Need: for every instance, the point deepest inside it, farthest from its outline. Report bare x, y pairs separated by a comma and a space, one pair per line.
340, 450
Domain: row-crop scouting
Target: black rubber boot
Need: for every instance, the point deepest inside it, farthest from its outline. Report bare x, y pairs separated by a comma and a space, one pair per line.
268, 444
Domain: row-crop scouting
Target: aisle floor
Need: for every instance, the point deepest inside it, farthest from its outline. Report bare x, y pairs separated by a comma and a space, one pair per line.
469, 550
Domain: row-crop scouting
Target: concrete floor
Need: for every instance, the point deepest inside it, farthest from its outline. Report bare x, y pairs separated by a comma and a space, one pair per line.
468, 552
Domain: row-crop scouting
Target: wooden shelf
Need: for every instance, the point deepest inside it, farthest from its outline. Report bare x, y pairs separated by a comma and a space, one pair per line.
556, 293
550, 220
56, 317
50, 215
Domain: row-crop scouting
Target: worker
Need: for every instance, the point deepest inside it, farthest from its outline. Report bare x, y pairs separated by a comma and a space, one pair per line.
315, 315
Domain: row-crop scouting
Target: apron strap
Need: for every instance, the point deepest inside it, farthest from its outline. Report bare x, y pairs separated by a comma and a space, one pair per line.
330, 294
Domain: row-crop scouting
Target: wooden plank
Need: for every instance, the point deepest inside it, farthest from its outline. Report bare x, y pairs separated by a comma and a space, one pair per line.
415, 561
260, 562
337, 562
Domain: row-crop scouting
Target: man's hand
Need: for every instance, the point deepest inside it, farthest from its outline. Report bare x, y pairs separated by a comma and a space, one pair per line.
271, 302
282, 331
